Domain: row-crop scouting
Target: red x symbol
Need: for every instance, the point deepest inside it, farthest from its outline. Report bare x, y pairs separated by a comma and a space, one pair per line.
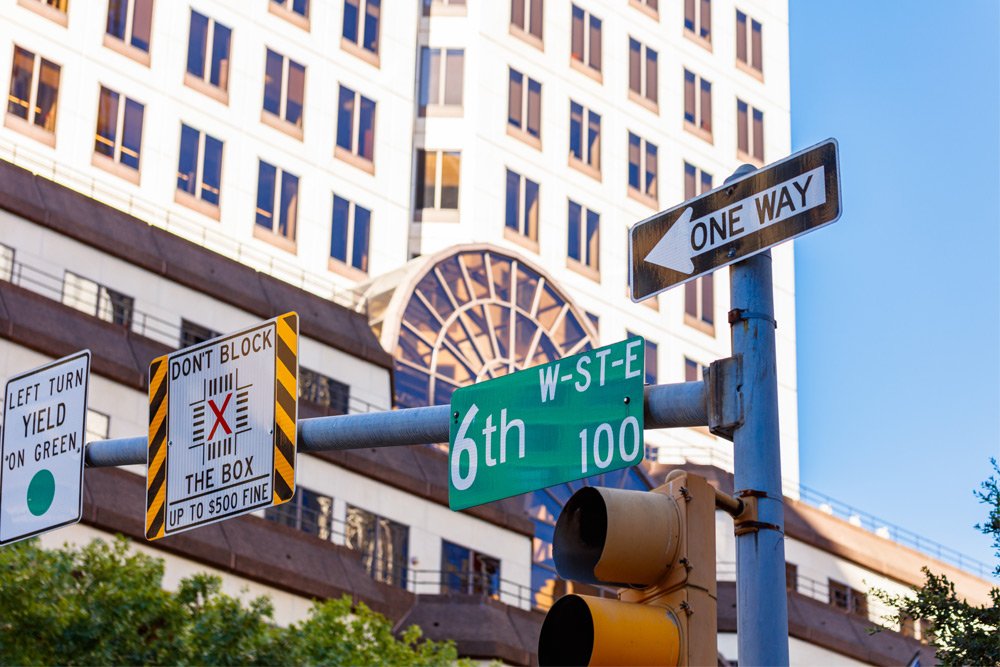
219, 419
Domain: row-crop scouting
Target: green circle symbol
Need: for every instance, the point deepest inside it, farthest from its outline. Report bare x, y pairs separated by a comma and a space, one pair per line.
41, 491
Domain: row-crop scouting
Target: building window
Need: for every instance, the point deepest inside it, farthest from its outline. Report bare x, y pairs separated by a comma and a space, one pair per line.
521, 222
696, 181
467, 572
356, 130
791, 576
97, 300
119, 134
698, 23
208, 57
323, 391
284, 91
437, 184
526, 21
643, 84
845, 597
698, 106
441, 75
524, 111
749, 144
6, 263
585, 43
350, 236
383, 544
130, 24
277, 206
749, 60
649, 7
584, 140
34, 92
98, 425
54, 10
293, 11
307, 511
199, 171
583, 241
642, 170
192, 334
444, 7
362, 19
595, 321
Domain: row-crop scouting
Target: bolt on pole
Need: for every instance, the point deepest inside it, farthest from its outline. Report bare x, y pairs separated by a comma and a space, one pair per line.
761, 596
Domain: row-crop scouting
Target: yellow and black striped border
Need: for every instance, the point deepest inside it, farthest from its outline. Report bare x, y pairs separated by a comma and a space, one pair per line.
285, 406
156, 458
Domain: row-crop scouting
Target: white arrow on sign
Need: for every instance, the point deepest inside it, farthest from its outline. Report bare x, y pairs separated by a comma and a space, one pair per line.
689, 238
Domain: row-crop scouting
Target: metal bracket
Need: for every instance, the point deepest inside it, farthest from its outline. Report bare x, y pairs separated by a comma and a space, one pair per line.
738, 314
746, 521
723, 381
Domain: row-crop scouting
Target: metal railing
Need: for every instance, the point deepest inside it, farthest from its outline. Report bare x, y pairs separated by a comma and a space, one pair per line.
139, 322
180, 225
839, 509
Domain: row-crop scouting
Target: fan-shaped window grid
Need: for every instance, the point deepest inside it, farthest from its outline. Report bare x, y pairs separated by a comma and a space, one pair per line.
479, 315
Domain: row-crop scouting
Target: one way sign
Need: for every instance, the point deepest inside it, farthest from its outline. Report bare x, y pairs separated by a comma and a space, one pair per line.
779, 202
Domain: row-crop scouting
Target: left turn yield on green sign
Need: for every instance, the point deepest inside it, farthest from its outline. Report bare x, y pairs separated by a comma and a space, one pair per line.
41, 467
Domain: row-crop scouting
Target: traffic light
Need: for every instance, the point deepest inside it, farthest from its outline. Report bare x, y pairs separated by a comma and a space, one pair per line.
658, 548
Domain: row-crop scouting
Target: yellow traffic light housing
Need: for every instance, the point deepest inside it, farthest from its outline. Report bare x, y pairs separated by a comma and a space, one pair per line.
659, 549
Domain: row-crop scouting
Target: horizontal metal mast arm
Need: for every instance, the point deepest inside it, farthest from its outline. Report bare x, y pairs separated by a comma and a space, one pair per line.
666, 406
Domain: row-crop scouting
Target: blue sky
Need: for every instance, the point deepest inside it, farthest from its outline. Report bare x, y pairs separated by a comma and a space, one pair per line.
898, 303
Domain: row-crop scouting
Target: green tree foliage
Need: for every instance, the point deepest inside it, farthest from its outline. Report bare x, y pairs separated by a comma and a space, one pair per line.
961, 633
103, 604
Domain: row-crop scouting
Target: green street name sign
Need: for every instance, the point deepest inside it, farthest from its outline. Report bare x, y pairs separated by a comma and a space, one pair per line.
547, 425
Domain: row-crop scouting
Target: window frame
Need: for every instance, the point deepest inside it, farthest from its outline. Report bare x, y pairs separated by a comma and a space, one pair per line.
352, 156
279, 121
347, 267
523, 133
285, 10
386, 575
752, 32
196, 200
105, 300
357, 47
641, 96
584, 265
755, 147
435, 213
114, 164
471, 587
523, 234
650, 8
641, 194
697, 124
585, 162
527, 32
585, 64
440, 107
125, 45
288, 241
28, 126
203, 83
694, 22
49, 10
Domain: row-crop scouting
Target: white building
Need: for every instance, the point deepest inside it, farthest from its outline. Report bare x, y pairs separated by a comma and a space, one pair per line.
391, 157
